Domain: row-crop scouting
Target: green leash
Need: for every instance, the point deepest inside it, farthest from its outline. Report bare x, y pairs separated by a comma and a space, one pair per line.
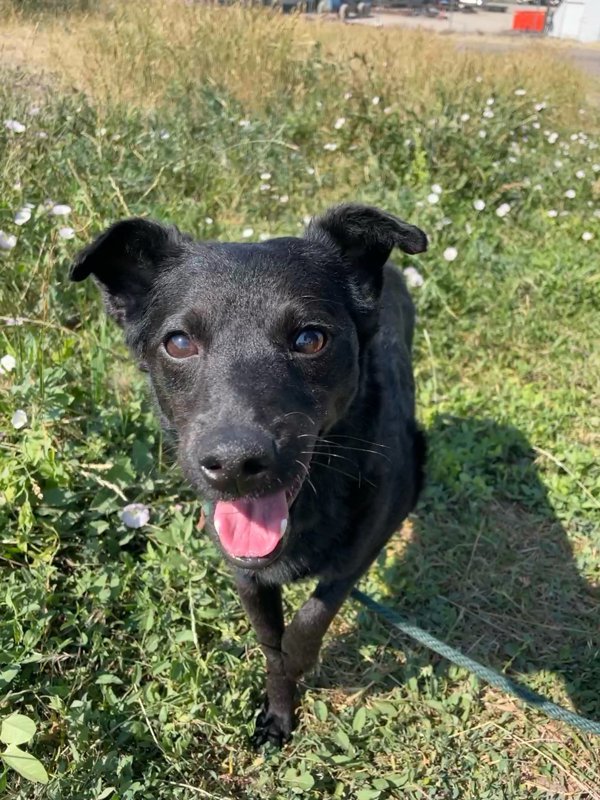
492, 677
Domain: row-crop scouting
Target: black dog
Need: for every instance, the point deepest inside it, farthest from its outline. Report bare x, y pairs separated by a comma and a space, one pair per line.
283, 371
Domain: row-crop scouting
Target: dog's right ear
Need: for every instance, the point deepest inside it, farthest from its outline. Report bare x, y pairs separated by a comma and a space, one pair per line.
125, 259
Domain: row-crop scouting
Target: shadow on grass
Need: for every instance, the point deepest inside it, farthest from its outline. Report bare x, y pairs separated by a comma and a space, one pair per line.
487, 567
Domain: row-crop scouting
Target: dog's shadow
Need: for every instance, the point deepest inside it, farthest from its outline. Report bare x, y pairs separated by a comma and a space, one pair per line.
486, 566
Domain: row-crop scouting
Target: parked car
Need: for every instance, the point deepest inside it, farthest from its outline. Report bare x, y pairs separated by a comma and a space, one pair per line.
539, 2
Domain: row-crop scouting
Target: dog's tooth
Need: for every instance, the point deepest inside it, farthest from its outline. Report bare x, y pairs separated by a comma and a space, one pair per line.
216, 524
283, 526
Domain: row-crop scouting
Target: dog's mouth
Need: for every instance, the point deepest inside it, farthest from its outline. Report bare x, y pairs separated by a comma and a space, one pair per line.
251, 530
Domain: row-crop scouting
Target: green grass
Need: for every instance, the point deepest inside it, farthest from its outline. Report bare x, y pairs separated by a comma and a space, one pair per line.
129, 648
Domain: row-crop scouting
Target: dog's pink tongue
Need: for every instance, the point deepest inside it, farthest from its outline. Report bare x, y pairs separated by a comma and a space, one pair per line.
251, 528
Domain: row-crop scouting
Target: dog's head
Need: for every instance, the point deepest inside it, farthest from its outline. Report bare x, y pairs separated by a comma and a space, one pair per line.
253, 350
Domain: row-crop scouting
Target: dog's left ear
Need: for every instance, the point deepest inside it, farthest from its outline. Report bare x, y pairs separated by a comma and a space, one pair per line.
125, 260
366, 236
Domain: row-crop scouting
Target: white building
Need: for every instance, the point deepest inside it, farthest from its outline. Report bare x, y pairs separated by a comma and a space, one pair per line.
577, 19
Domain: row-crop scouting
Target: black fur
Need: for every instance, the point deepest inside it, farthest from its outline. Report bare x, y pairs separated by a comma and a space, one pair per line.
340, 424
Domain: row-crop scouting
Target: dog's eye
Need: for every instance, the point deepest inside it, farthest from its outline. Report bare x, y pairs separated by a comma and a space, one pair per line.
309, 341
179, 345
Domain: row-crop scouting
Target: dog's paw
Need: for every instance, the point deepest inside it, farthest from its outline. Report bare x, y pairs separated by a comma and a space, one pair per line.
272, 728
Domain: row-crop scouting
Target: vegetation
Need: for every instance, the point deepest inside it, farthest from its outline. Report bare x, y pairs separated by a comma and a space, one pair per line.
127, 647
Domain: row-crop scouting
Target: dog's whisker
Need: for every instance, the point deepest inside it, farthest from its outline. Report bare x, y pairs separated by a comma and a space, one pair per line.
307, 479
355, 449
358, 478
334, 455
355, 438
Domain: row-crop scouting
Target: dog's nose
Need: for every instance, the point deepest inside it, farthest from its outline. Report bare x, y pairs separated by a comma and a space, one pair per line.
237, 462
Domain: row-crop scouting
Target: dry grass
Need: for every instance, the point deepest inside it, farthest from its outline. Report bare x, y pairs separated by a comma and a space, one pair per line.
143, 52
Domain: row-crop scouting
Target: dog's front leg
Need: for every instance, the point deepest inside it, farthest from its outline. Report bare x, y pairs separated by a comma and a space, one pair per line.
303, 637
265, 609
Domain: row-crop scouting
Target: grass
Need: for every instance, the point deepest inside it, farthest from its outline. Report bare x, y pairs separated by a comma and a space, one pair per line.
129, 648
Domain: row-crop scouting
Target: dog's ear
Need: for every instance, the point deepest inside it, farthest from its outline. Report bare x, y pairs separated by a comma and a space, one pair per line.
366, 236
125, 260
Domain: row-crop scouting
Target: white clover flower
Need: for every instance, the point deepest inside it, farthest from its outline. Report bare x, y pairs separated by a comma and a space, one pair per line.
262, 237
597, 212
450, 253
42, 135
7, 241
587, 236
339, 123
558, 163
580, 174
536, 126
66, 233
284, 199
465, 117
436, 188
264, 187
244, 123
537, 187
330, 147
552, 137
14, 126
570, 194
247, 233
413, 278
265, 176
552, 212
488, 113
17, 186
347, 95
208, 220
376, 100
22, 216
60, 210
310, 170
596, 167
503, 209
490, 101
520, 92
7, 364
540, 106
388, 110
478, 205
19, 419
135, 515
433, 198
482, 134
478, 79
164, 135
